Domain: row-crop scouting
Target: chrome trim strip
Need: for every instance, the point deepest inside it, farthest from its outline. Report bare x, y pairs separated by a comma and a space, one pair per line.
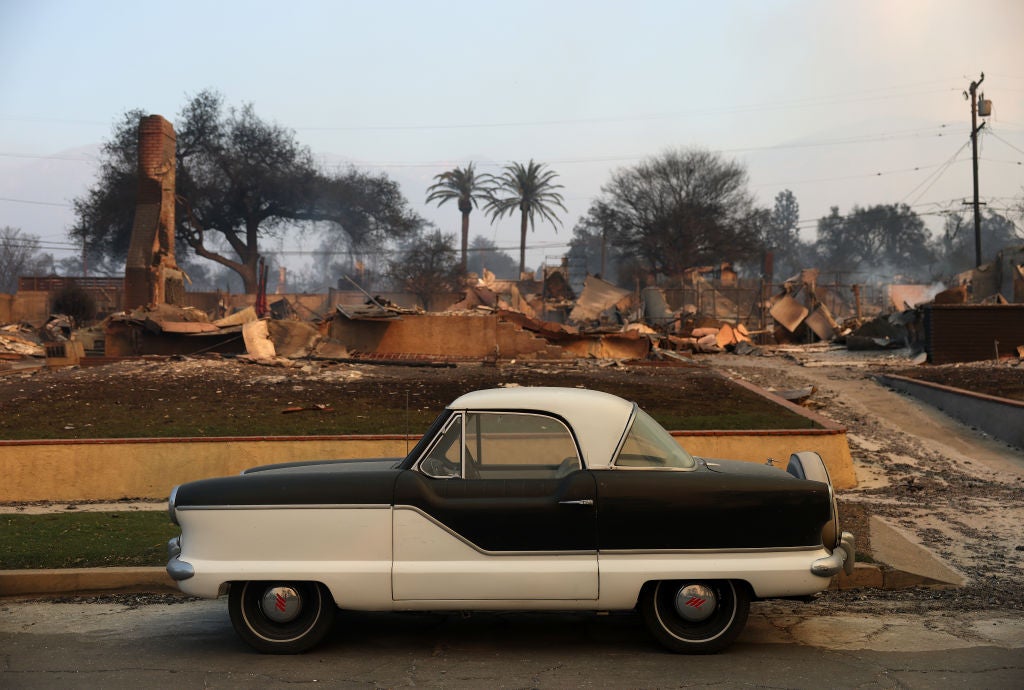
651, 468
293, 506
697, 552
180, 570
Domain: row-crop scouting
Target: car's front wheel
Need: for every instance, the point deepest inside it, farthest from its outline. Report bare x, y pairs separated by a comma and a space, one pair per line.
281, 617
695, 616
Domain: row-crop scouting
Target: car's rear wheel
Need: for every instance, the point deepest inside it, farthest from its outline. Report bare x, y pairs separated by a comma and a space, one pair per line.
281, 617
695, 616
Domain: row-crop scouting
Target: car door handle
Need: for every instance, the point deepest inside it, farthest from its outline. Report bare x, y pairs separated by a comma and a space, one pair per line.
580, 502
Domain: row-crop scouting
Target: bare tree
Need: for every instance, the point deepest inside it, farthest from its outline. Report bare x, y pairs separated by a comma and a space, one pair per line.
886, 241
426, 267
677, 210
19, 255
239, 179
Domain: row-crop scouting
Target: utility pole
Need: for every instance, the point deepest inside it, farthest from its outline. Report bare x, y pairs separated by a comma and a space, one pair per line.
974, 146
604, 252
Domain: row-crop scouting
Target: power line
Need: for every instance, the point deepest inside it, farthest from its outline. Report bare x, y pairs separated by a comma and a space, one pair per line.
42, 245
54, 120
935, 131
743, 108
934, 177
880, 173
993, 134
861, 139
46, 157
35, 203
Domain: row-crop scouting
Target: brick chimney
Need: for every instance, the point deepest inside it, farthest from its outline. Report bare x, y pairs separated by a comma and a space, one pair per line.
151, 274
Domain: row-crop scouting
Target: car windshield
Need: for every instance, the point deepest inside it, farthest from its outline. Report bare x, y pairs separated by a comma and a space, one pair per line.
649, 445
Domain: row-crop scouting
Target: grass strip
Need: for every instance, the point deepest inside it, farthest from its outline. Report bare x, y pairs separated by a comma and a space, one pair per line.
85, 540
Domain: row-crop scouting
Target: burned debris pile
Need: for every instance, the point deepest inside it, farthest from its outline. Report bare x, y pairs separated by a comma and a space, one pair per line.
547, 319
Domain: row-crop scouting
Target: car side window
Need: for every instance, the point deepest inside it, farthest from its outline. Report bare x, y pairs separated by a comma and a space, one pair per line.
444, 460
648, 445
518, 445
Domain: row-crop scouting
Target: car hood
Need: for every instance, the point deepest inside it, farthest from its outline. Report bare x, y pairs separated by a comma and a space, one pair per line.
328, 466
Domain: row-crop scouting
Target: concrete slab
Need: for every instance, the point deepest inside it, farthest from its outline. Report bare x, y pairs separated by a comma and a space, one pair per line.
894, 547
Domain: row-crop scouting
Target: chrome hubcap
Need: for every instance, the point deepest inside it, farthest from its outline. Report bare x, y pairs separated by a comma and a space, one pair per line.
695, 603
281, 604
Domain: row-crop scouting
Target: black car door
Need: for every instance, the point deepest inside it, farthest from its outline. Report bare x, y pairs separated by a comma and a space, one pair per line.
515, 520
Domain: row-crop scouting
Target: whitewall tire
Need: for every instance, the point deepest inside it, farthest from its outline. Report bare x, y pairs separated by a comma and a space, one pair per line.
695, 617
281, 617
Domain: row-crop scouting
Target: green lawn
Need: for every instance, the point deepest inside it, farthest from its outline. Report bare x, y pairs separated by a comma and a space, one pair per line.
84, 540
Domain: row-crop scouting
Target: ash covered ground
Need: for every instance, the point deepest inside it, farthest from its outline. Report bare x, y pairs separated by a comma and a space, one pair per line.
951, 488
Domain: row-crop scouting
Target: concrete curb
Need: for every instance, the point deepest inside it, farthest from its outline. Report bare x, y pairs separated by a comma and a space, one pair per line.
82, 580
871, 576
71, 581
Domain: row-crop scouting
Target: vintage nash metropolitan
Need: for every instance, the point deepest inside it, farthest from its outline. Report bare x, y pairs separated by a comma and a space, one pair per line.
514, 499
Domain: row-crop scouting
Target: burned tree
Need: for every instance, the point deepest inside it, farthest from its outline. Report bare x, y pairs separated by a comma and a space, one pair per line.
886, 240
19, 255
426, 267
677, 210
239, 179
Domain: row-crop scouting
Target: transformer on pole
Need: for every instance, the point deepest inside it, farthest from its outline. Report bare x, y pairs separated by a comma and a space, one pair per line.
983, 108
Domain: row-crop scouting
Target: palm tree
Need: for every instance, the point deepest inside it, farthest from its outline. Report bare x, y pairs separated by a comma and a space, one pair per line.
465, 186
529, 189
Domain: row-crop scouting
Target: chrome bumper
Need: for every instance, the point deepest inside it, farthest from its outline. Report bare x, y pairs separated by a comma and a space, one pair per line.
844, 557
178, 570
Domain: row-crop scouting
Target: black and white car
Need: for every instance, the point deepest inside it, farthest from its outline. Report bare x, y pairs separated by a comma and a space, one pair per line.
514, 499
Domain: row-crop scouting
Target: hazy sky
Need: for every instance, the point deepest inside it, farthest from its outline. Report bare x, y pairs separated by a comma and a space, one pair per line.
842, 102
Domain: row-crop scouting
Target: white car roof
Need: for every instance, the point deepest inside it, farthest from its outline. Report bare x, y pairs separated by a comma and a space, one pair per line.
598, 419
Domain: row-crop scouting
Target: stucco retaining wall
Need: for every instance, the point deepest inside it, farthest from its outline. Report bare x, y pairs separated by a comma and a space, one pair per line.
112, 469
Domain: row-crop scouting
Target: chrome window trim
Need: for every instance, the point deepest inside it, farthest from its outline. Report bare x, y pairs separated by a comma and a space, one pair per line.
532, 413
457, 416
292, 506
622, 439
463, 415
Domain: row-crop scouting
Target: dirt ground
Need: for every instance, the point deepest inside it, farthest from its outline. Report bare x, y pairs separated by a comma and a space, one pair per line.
953, 490
214, 396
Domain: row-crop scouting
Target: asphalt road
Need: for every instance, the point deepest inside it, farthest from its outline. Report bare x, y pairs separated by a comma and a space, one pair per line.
192, 645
